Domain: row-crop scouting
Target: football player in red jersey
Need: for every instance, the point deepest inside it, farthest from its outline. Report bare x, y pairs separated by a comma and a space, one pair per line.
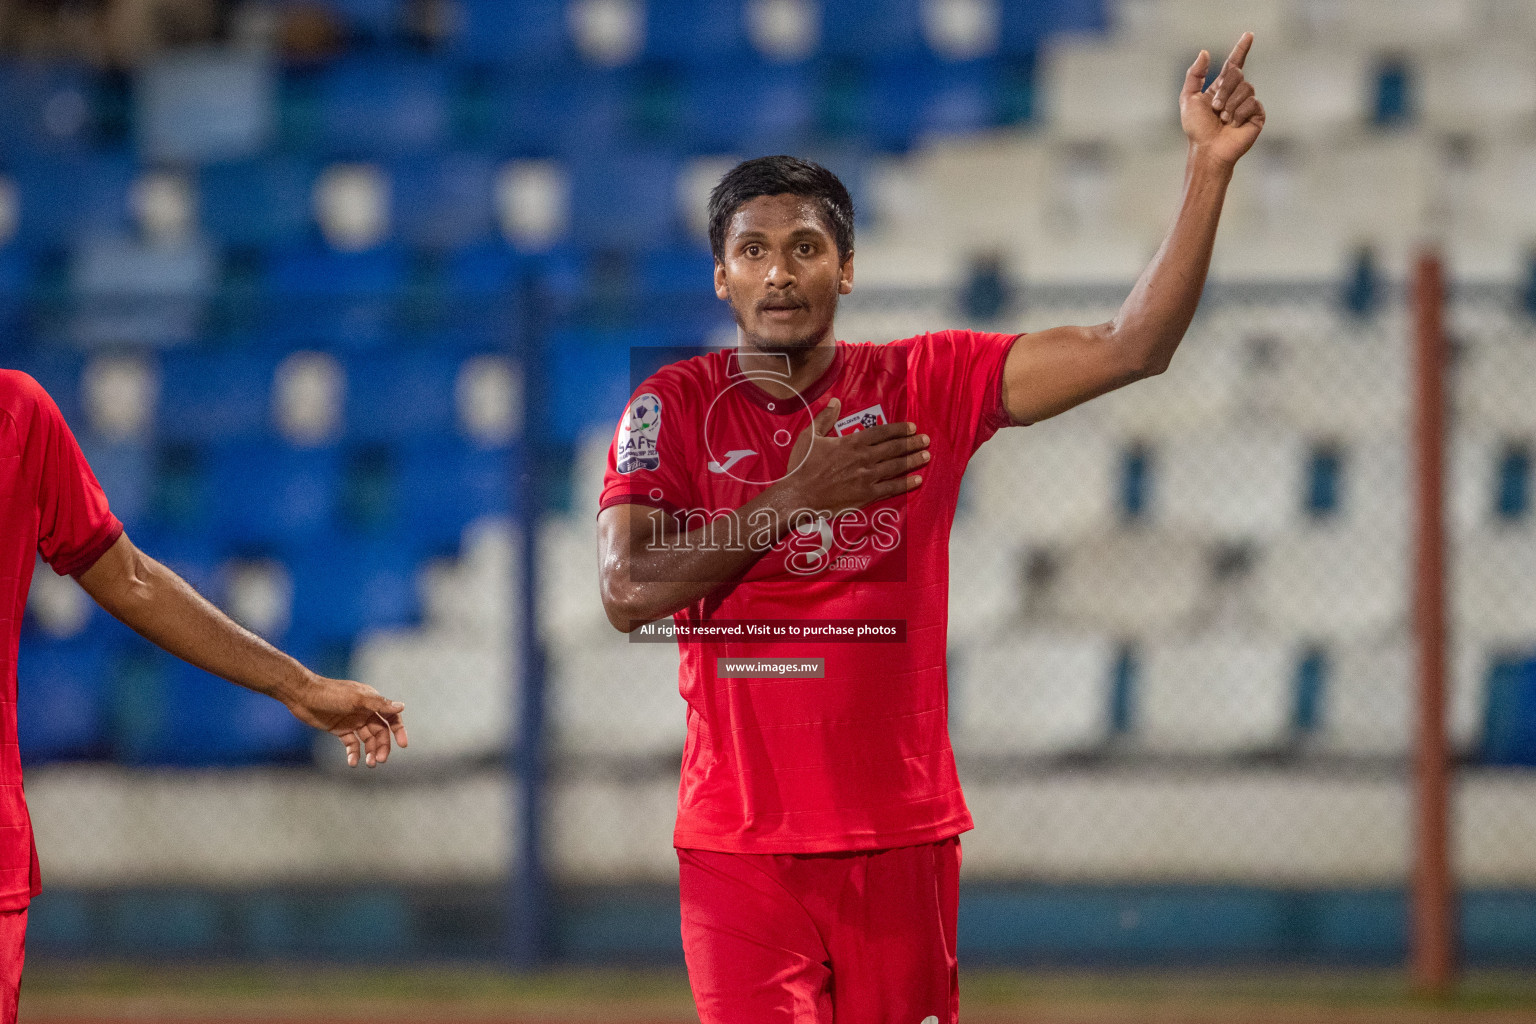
51, 504
798, 486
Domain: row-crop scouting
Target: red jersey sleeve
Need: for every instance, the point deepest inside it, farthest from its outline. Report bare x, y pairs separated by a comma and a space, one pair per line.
964, 371
74, 525
649, 455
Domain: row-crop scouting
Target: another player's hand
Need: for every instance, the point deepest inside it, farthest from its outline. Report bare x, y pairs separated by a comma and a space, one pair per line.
354, 712
1226, 118
849, 472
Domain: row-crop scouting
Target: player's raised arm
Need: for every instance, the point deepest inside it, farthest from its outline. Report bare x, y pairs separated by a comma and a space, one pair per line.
1050, 371
648, 569
164, 609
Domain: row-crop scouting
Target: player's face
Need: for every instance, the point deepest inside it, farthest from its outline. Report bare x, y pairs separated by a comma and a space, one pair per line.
781, 273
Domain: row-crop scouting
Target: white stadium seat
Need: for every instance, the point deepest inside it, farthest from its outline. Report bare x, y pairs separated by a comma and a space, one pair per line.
1313, 92
570, 603
1333, 583
1455, 93
1046, 483
986, 580
1493, 387
1391, 24
1344, 386
1031, 694
1195, 25
1133, 582
1214, 695
1493, 587
1095, 90
459, 689
611, 696
1231, 485
1370, 694
1197, 393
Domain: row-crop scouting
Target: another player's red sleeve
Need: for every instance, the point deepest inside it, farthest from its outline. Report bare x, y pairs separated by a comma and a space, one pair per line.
649, 456
75, 526
964, 371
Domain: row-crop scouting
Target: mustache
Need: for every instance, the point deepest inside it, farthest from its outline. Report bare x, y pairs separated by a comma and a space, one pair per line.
782, 302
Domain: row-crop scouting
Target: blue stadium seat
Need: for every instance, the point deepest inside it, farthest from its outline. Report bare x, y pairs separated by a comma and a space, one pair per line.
126, 472
63, 199
677, 270
58, 371
374, 19
479, 304
266, 492
196, 106
325, 297
446, 485
344, 585
61, 689
698, 31
401, 395
208, 397
628, 200
589, 375
1509, 733
16, 274
182, 716
750, 109
542, 116
530, 34
118, 267
382, 106
872, 29
257, 203
446, 202
1025, 23
950, 99
47, 107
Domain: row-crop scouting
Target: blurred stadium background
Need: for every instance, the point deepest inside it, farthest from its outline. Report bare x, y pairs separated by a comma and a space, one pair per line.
339, 296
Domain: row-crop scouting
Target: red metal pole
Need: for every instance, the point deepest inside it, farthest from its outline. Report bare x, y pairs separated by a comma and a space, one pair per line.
1433, 907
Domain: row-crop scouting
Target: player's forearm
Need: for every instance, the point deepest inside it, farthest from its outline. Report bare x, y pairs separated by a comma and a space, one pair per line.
667, 569
159, 605
1154, 317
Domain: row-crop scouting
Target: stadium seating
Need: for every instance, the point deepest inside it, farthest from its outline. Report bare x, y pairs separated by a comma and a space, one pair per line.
60, 702
1034, 694
612, 697
1215, 694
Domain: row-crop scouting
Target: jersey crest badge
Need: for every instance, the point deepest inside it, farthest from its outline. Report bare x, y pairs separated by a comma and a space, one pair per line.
861, 420
639, 435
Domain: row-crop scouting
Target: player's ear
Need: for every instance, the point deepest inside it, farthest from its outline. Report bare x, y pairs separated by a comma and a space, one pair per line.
845, 277
721, 291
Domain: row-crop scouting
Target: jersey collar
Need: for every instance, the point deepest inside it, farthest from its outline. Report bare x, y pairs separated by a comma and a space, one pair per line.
783, 406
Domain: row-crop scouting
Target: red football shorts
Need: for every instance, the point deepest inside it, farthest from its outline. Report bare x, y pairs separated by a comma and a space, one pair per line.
862, 938
13, 950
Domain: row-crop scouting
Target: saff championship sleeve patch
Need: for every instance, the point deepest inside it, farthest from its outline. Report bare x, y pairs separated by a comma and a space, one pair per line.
639, 435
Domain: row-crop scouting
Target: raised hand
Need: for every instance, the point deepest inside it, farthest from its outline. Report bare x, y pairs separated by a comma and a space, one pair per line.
1227, 117
354, 713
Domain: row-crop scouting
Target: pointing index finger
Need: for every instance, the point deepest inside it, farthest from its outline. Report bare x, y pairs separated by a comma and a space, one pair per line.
1240, 51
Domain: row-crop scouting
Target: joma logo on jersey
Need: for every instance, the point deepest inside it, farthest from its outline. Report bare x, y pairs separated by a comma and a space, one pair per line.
861, 420
639, 436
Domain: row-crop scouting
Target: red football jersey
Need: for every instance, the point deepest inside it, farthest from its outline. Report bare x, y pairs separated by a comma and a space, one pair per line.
50, 503
859, 757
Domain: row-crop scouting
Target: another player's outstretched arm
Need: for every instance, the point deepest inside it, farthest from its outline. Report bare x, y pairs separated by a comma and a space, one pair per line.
1050, 371
164, 609
648, 569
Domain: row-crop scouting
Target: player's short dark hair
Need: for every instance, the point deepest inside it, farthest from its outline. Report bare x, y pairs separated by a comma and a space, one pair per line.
777, 176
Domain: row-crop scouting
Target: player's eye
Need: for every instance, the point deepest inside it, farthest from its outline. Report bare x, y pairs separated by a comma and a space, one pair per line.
806, 248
